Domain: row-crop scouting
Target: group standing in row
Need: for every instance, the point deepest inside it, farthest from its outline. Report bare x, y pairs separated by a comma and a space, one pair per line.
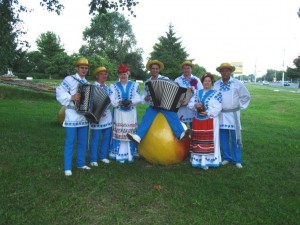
211, 118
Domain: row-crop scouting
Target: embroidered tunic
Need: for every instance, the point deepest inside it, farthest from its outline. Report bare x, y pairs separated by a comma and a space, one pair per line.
106, 120
184, 112
205, 150
235, 96
64, 92
124, 120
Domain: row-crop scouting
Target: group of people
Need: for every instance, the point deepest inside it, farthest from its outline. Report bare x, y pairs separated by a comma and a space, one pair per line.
211, 118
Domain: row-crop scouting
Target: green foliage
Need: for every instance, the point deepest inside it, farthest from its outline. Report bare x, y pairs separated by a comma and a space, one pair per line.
11, 29
294, 73
34, 190
272, 74
111, 37
134, 61
198, 70
53, 59
10, 44
169, 51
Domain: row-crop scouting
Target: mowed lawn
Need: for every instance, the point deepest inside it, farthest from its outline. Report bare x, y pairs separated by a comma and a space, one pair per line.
34, 190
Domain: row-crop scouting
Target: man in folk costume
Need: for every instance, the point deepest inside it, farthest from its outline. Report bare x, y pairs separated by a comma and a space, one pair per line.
235, 97
125, 95
76, 125
187, 80
99, 149
181, 132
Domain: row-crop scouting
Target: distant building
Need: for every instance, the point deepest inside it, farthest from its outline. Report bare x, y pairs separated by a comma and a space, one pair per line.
238, 67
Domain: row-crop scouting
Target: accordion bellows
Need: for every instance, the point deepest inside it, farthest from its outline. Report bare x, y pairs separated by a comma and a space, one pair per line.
167, 94
93, 102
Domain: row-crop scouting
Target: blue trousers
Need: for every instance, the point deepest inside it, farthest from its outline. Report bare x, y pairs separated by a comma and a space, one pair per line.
81, 133
230, 151
104, 144
149, 117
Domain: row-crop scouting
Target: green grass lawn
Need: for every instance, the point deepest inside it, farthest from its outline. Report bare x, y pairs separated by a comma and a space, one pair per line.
34, 190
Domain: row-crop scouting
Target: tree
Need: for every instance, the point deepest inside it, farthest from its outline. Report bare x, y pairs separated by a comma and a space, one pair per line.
169, 51
51, 50
111, 36
11, 30
198, 70
134, 60
10, 45
294, 73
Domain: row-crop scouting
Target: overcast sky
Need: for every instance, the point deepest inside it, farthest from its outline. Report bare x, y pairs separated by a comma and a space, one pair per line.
263, 34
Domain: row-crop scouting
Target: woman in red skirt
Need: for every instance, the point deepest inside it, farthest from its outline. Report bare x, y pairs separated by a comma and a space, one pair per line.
205, 145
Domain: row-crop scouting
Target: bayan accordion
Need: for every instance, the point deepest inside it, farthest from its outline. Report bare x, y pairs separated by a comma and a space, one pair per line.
168, 95
93, 102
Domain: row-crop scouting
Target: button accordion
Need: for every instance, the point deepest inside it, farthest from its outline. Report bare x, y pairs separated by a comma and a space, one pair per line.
168, 95
93, 102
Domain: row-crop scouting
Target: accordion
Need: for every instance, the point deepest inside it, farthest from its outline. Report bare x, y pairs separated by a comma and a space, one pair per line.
93, 102
168, 95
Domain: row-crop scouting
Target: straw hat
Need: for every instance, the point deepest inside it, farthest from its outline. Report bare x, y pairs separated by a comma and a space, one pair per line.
151, 62
123, 68
187, 63
100, 69
82, 61
225, 66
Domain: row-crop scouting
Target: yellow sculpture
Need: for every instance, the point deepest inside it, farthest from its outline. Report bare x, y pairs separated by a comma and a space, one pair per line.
160, 146
61, 115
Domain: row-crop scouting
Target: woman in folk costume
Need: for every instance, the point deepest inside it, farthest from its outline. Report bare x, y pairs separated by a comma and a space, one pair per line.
207, 104
124, 96
187, 80
76, 125
99, 149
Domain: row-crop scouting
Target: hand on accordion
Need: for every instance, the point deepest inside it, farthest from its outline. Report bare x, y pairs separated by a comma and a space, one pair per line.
75, 97
147, 98
182, 101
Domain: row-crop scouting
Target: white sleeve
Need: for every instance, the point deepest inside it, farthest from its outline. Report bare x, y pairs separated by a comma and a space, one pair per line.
199, 84
136, 98
63, 95
244, 96
113, 96
192, 102
215, 105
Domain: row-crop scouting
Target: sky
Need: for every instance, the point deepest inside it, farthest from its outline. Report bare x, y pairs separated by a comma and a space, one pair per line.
262, 34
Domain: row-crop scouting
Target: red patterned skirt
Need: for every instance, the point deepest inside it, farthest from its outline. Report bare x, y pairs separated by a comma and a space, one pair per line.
202, 141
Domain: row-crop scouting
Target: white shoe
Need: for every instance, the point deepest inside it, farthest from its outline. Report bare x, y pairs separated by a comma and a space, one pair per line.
239, 165
94, 164
134, 137
84, 168
225, 162
205, 168
185, 134
106, 161
68, 173
121, 161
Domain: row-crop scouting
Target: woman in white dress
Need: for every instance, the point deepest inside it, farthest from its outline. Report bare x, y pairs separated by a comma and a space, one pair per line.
124, 96
207, 105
